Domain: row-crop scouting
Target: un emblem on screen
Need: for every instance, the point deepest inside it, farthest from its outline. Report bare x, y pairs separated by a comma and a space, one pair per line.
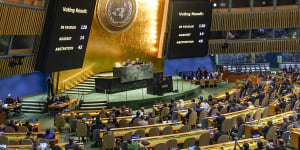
116, 16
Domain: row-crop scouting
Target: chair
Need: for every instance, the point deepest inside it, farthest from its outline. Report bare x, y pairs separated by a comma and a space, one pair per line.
202, 83
123, 123
241, 131
265, 113
223, 110
140, 133
256, 102
154, 132
23, 129
167, 130
59, 122
223, 139
187, 106
271, 133
287, 108
73, 124
44, 141
189, 142
81, 130
204, 139
211, 83
184, 128
171, 143
192, 119
203, 114
96, 135
127, 136
161, 146
286, 136
151, 121
3, 140
108, 141
265, 101
135, 122
9, 129
26, 142
273, 95
214, 111
226, 125
164, 113
257, 114
13, 142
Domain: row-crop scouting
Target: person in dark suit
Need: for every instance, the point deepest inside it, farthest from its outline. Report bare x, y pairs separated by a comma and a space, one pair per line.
220, 118
9, 99
260, 96
137, 115
198, 109
280, 145
265, 130
172, 104
50, 86
53, 146
227, 96
286, 123
13, 125
137, 61
28, 126
127, 63
48, 135
71, 145
212, 108
218, 134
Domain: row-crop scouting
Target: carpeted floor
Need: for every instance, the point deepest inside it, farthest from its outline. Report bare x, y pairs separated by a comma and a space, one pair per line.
47, 120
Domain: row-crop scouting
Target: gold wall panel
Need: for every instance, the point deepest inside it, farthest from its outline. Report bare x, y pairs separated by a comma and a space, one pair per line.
263, 46
17, 20
104, 48
255, 20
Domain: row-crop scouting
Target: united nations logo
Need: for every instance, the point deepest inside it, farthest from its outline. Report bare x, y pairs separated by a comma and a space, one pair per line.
116, 16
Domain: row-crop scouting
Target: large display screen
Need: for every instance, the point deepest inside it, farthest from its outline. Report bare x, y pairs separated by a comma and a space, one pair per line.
65, 35
189, 28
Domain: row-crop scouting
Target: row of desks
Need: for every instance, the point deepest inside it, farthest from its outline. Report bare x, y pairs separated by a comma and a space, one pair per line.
21, 136
28, 147
180, 137
120, 132
255, 125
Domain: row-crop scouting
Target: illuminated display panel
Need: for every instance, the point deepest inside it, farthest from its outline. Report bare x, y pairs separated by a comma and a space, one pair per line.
65, 35
189, 30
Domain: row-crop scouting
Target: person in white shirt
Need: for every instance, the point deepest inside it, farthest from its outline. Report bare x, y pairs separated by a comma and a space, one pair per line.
142, 122
181, 104
250, 105
204, 104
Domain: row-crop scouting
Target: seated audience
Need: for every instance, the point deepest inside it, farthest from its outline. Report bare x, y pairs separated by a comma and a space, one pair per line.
28, 125
219, 119
72, 145
142, 122
132, 145
52, 145
265, 130
48, 135
218, 134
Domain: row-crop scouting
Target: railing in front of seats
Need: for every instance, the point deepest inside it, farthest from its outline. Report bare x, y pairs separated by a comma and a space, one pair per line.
22, 4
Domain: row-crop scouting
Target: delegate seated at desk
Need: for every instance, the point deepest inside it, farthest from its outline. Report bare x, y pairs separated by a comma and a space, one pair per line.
136, 62
9, 100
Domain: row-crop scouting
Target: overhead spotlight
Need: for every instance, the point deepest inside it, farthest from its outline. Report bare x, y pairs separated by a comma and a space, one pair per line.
215, 4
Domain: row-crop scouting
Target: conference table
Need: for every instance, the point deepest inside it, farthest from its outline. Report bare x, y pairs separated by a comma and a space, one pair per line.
230, 145
222, 95
20, 136
210, 121
36, 125
91, 113
255, 125
28, 147
275, 104
12, 106
120, 132
180, 137
60, 106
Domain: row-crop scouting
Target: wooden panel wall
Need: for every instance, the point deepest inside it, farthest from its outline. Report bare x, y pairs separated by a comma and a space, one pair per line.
255, 20
262, 46
16, 20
